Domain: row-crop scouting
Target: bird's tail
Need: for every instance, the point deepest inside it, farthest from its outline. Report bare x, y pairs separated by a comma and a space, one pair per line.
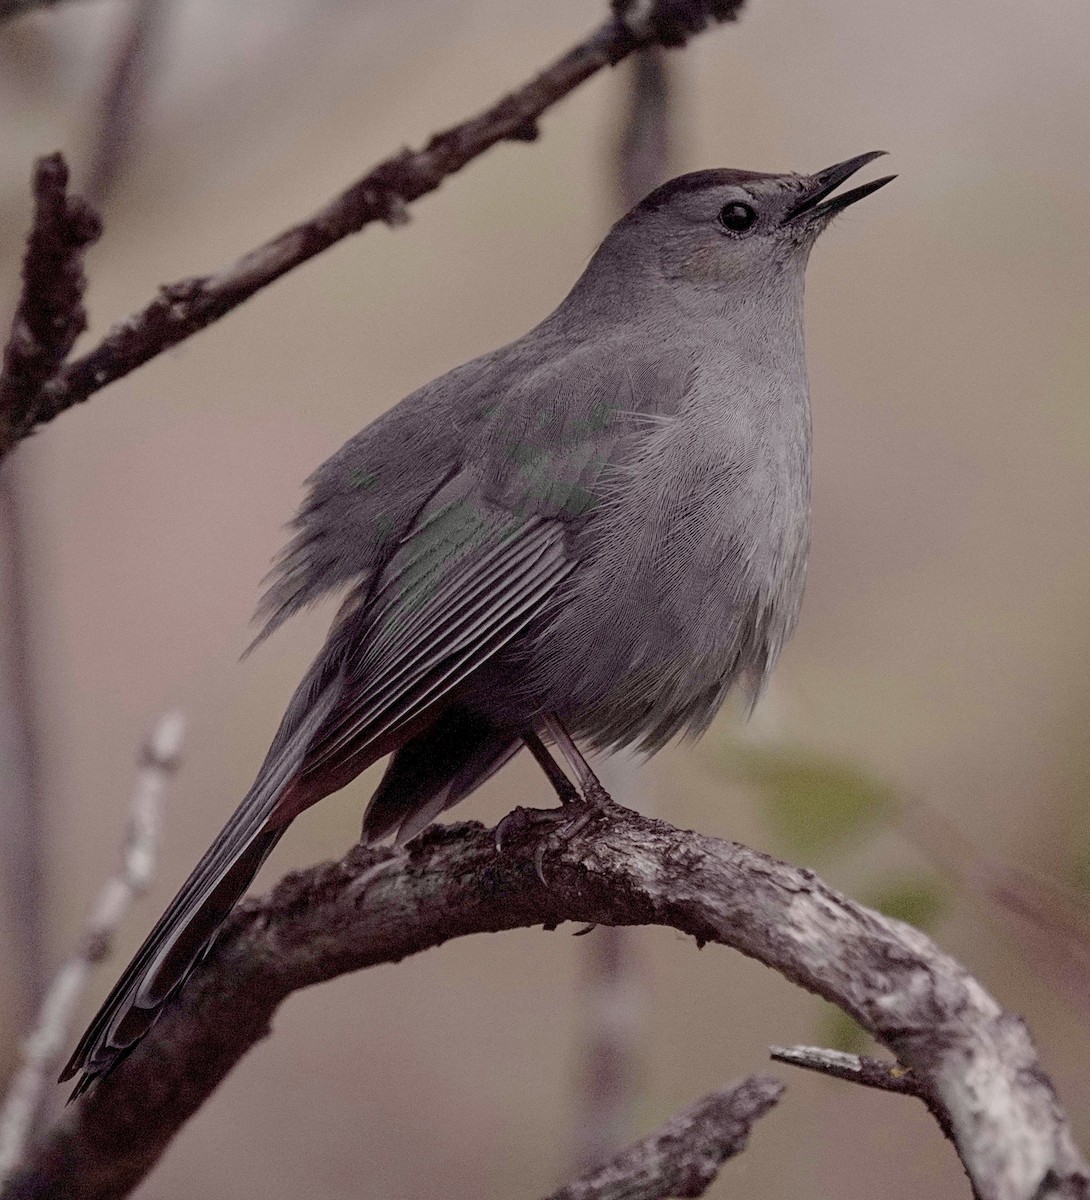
185, 932
435, 769
180, 938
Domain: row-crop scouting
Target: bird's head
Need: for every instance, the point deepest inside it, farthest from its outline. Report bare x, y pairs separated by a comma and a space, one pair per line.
724, 227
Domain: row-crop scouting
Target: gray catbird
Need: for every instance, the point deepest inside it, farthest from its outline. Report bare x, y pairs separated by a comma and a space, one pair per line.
593, 533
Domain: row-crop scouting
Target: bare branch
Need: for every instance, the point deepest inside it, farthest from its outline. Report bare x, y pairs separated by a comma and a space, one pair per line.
973, 1062
181, 309
123, 94
682, 1157
856, 1068
50, 315
22, 848
611, 1046
647, 133
159, 758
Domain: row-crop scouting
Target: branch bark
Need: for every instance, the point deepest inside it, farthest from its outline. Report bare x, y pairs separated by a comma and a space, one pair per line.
876, 1073
682, 1157
971, 1061
182, 309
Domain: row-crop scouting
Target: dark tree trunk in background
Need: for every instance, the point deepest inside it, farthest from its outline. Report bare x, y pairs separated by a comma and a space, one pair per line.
610, 1061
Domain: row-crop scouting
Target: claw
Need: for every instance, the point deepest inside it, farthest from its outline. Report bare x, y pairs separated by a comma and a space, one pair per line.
358, 888
502, 826
539, 861
566, 824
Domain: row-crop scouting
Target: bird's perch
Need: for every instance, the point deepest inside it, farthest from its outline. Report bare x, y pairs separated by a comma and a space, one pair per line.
972, 1063
35, 391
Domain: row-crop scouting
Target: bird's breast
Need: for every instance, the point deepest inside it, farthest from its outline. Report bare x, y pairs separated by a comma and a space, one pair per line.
692, 577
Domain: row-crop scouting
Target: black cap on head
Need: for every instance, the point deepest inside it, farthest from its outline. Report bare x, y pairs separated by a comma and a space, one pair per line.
699, 181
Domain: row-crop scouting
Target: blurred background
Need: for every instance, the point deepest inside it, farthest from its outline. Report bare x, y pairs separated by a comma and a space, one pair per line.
940, 672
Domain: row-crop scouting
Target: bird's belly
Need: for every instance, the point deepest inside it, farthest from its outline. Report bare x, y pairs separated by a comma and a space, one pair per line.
661, 660
682, 594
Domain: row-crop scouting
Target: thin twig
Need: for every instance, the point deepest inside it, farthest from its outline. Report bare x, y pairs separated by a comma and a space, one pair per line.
881, 1074
159, 759
50, 315
973, 1063
182, 309
855, 1068
682, 1157
22, 872
611, 1049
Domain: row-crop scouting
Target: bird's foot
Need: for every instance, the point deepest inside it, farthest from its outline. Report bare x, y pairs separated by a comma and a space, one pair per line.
560, 825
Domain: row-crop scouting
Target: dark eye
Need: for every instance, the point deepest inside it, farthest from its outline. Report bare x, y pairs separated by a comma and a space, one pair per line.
736, 216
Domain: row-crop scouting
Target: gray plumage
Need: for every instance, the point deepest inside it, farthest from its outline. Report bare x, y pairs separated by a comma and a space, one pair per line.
605, 523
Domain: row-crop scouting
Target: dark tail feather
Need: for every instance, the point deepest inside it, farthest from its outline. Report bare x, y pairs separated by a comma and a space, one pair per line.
170, 951
433, 771
186, 930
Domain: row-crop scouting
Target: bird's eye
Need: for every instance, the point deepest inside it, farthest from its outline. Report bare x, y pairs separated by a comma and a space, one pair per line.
736, 216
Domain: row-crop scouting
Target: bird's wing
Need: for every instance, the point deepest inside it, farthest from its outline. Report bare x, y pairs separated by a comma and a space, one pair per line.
488, 554
360, 501
467, 580
556, 443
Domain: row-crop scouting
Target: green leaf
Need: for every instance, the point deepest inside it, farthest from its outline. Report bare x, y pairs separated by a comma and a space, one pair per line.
813, 803
917, 899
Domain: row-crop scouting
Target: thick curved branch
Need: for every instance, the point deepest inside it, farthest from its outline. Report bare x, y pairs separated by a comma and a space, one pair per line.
182, 309
973, 1063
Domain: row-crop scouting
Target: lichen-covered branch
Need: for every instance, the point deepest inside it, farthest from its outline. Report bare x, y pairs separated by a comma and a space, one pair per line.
682, 1157
855, 1068
182, 309
971, 1061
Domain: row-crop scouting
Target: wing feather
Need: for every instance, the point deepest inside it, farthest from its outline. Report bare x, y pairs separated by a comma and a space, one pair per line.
458, 617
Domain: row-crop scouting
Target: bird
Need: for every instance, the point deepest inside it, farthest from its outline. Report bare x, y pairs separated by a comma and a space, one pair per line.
590, 536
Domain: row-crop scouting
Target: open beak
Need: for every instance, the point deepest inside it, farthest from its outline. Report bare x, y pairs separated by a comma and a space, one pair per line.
819, 186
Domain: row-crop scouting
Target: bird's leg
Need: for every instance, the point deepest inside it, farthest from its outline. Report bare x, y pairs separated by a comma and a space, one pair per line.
563, 786
589, 783
586, 803
565, 789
